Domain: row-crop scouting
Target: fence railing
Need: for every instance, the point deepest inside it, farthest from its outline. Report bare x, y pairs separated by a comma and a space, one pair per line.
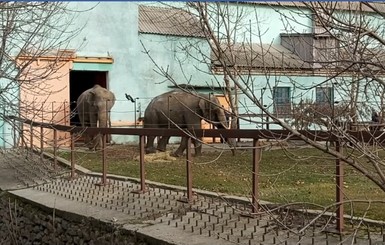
254, 134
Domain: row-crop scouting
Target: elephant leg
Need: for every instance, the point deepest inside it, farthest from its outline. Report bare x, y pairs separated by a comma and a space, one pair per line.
197, 146
109, 136
87, 137
95, 138
163, 143
150, 145
181, 148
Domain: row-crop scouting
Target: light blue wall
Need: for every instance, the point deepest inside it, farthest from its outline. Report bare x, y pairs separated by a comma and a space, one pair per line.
9, 95
111, 29
265, 23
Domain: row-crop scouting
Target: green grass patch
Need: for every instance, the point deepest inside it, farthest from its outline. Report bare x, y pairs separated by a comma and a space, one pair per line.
299, 175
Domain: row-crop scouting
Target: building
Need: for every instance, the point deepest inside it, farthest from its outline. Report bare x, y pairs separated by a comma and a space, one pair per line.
131, 47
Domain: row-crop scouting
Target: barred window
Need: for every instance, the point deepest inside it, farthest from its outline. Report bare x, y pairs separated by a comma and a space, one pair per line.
324, 96
282, 101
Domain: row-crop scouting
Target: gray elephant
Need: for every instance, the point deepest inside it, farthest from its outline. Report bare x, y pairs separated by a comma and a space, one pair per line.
184, 110
94, 106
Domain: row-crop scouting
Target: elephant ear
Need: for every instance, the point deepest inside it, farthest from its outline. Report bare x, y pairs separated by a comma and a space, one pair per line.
213, 111
204, 105
91, 98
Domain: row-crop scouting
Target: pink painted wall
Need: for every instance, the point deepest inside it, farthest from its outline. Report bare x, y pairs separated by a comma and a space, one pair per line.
46, 100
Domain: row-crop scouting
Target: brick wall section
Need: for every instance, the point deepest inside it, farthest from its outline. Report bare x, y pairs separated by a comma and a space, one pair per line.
22, 223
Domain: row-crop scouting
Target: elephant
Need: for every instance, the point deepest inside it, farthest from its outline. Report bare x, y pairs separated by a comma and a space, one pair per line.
93, 107
178, 108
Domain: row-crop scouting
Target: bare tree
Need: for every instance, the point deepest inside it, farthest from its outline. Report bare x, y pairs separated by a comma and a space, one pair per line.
342, 48
323, 70
34, 39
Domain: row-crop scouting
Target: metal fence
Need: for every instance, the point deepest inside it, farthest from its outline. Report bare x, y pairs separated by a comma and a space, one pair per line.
255, 135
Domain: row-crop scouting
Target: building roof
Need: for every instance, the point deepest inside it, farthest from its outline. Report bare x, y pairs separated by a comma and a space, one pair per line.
267, 56
168, 21
340, 5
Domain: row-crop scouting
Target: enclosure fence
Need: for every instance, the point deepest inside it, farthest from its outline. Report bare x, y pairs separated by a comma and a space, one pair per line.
254, 134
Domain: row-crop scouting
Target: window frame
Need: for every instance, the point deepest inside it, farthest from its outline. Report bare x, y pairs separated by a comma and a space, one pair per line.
330, 93
283, 106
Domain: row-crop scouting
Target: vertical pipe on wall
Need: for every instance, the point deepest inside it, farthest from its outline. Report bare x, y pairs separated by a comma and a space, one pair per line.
22, 135
52, 114
31, 137
42, 131
3, 135
65, 112
14, 133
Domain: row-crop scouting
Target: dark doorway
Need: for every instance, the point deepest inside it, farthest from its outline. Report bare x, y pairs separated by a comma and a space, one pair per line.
81, 81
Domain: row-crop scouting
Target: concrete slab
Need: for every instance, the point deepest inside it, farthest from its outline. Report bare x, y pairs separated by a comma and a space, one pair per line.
158, 233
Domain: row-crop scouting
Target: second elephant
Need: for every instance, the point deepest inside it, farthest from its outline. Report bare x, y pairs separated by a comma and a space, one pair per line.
94, 106
184, 110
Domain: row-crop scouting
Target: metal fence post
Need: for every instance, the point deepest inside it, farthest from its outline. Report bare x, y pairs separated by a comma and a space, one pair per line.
104, 160
142, 171
339, 190
54, 149
41, 139
188, 170
72, 156
255, 175
14, 133
169, 112
135, 112
141, 167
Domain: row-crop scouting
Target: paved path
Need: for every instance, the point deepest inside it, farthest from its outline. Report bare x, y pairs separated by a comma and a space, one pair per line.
159, 214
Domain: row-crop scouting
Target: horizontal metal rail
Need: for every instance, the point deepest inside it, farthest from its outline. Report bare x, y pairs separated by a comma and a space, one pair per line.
277, 134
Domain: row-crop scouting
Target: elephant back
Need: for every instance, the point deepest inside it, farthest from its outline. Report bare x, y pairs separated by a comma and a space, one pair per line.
175, 108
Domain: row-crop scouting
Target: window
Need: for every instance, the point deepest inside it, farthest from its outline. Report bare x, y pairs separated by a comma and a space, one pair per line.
319, 21
324, 96
282, 101
326, 51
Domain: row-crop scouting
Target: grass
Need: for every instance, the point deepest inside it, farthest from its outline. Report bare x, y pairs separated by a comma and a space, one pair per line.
298, 175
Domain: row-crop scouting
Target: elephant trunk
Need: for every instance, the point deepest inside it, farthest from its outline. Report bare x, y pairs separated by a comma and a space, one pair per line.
103, 119
104, 113
229, 141
222, 120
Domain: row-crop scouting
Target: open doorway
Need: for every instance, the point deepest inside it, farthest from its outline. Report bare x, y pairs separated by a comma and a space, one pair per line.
81, 81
